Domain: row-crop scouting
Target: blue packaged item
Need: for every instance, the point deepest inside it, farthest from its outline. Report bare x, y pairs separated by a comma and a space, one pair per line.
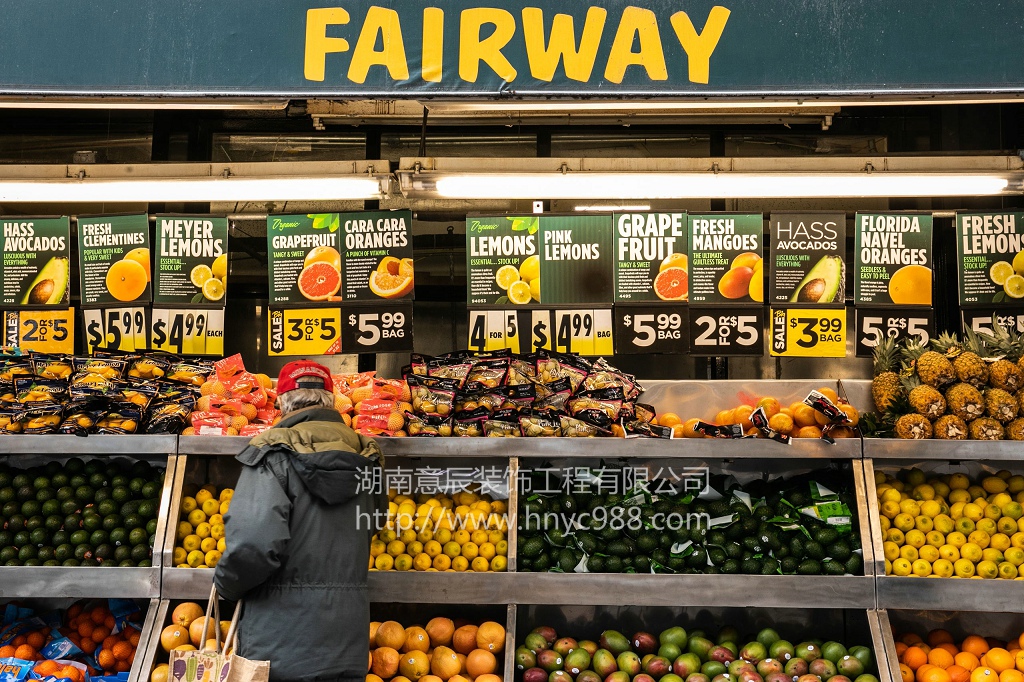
14, 669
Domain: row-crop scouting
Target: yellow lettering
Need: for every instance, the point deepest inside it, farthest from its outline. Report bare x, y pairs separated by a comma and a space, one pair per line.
318, 45
473, 50
635, 22
385, 23
562, 45
433, 44
700, 46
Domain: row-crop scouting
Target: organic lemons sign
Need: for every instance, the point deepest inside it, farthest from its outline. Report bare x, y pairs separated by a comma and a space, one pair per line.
35, 267
114, 259
990, 253
191, 260
650, 257
893, 259
331, 257
725, 264
521, 260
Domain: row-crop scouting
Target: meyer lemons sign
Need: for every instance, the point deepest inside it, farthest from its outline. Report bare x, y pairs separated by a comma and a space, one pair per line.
191, 261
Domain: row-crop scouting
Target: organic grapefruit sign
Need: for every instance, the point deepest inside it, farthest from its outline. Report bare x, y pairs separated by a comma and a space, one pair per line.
114, 259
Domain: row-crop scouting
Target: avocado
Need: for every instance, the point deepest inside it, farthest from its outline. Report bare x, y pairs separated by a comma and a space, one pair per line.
839, 550
809, 567
50, 287
789, 565
770, 567
855, 565
595, 564
751, 566
814, 550
532, 547
567, 560
834, 567
822, 284
826, 536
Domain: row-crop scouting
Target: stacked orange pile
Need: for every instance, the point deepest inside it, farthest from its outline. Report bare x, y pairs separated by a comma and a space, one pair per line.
937, 658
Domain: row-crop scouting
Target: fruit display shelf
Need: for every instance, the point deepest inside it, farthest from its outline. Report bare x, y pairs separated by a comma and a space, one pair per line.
96, 444
884, 449
1004, 625
850, 626
940, 594
90, 581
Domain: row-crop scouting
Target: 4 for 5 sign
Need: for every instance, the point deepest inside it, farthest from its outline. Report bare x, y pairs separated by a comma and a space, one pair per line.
808, 332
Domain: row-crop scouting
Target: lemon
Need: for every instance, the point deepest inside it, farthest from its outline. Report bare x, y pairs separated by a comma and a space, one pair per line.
180, 556
422, 562
905, 522
452, 549
991, 554
529, 269
890, 509
415, 548
222, 545
895, 535
184, 530
1006, 526
1000, 272
921, 568
200, 274
901, 567
957, 539
923, 523
208, 545
460, 563
203, 495
1014, 555
191, 542
499, 563
535, 289
942, 568
188, 504
1000, 542
988, 569
396, 547
929, 553
196, 558
1014, 286
403, 562
196, 517
470, 550
949, 552
519, 293
501, 547
384, 562
203, 530
506, 275
1007, 571
213, 289
891, 550
915, 539
220, 266
909, 553
212, 557
970, 552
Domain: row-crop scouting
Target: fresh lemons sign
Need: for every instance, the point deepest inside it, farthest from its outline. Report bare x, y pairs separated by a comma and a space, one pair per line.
893, 259
191, 260
35, 267
114, 259
990, 253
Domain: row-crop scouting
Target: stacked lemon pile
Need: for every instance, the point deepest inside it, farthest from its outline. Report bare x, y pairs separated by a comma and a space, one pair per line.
949, 526
463, 532
200, 530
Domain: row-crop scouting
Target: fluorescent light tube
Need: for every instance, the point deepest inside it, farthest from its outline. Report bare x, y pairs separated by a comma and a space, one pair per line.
669, 185
283, 188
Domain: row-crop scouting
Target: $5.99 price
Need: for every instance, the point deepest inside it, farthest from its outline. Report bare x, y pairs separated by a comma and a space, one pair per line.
122, 329
373, 327
808, 333
649, 328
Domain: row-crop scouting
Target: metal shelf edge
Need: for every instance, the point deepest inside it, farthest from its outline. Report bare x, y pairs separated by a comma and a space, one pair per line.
90, 445
895, 448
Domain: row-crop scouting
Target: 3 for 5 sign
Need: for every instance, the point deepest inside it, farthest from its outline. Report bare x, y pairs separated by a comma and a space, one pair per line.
305, 331
808, 332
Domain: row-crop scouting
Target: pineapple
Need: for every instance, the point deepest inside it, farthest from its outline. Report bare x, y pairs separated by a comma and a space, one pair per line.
1000, 405
933, 368
985, 428
914, 426
886, 385
969, 365
965, 401
926, 400
1015, 429
1004, 347
950, 427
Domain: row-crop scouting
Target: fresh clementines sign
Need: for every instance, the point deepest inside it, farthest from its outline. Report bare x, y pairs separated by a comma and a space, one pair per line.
389, 48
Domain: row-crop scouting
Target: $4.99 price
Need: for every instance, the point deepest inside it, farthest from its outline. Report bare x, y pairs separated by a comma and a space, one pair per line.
192, 332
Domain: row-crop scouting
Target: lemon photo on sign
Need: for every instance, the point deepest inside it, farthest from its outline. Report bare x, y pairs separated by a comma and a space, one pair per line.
1000, 272
211, 281
529, 272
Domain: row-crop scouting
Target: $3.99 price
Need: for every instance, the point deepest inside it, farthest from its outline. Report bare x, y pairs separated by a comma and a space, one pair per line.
808, 333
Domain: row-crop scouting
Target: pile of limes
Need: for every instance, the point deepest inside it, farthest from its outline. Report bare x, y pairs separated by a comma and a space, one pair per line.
466, 531
950, 526
200, 531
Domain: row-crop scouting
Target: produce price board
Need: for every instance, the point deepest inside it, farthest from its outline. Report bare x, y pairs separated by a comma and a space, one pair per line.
980, 320
377, 329
44, 331
116, 329
808, 332
304, 331
191, 261
807, 258
190, 331
35, 263
718, 332
875, 324
893, 259
330, 331
651, 329
725, 262
587, 331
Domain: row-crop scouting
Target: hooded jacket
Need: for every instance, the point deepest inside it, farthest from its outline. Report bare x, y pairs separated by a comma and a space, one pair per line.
298, 535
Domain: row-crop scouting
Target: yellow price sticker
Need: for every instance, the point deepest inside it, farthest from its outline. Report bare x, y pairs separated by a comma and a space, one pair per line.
491, 330
188, 332
121, 329
304, 331
587, 332
43, 331
808, 332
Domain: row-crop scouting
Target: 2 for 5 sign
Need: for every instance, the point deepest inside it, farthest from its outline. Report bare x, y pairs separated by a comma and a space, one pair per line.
808, 333
41, 331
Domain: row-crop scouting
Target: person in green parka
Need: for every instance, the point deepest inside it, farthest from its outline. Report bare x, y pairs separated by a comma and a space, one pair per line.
298, 535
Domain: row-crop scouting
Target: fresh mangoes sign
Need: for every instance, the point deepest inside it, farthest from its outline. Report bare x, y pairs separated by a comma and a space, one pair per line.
114, 259
650, 257
36, 262
893, 259
808, 252
990, 251
521, 260
191, 260
725, 261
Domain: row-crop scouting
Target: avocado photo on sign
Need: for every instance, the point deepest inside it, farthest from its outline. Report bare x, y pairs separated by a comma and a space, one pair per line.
808, 252
36, 262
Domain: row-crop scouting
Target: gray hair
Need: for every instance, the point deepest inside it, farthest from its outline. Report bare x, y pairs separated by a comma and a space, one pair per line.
298, 398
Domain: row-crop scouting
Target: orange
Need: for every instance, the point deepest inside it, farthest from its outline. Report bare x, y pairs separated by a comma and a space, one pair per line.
915, 657
100, 633
123, 651
25, 653
373, 633
1018, 657
431, 678
937, 637
940, 657
7, 651
984, 674
480, 662
951, 648
741, 415
385, 662
965, 659
46, 668
107, 660
390, 286
391, 634
906, 673
911, 638
464, 639
416, 639
126, 280
807, 432
445, 663
999, 659
490, 636
1011, 675
933, 674
958, 674
171, 637
1020, 640
975, 645
414, 665
488, 677
900, 648
669, 419
187, 612
36, 640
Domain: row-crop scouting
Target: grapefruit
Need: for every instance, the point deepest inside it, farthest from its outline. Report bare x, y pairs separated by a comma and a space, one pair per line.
671, 284
126, 280
323, 254
389, 286
174, 636
675, 260
186, 612
319, 280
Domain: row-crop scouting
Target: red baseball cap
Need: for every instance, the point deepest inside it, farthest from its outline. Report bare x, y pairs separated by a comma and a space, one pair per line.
304, 374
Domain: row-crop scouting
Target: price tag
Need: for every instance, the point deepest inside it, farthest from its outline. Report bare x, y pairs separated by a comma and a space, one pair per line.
122, 329
739, 331
541, 327
51, 331
377, 329
188, 332
491, 330
651, 329
304, 331
808, 332
587, 332
980, 320
875, 324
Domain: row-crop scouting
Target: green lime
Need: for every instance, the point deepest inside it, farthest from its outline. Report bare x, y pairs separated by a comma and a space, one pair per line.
89, 561
68, 506
102, 495
141, 469
6, 538
12, 562
46, 553
22, 537
76, 480
98, 480
8, 553
136, 485
21, 480
63, 551
6, 494
132, 521
59, 480
30, 508
120, 494
72, 521
26, 492
79, 537
39, 537
41, 482
44, 494
140, 553
11, 508
32, 562
34, 522
60, 537
92, 522
151, 526
119, 481
53, 523
138, 536
147, 509
107, 507
5, 479
150, 490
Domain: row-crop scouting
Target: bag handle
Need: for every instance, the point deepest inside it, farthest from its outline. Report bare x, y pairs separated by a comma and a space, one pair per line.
212, 606
231, 638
